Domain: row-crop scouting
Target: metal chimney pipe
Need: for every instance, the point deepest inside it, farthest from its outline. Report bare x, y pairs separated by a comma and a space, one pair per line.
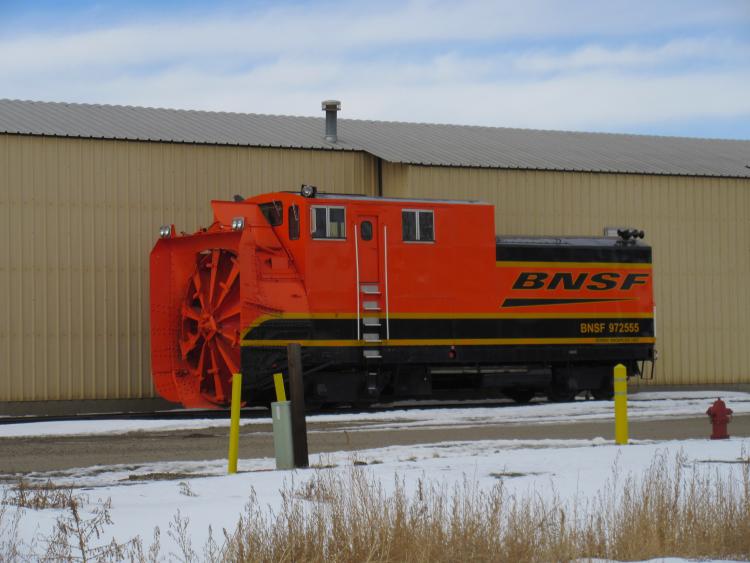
331, 107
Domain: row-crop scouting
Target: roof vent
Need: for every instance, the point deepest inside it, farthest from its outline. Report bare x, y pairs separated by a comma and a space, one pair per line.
331, 108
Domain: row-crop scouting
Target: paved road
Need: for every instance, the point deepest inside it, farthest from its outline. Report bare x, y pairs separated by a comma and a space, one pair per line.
24, 455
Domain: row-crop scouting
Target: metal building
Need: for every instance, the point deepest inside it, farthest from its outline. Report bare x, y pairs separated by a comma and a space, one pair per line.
84, 189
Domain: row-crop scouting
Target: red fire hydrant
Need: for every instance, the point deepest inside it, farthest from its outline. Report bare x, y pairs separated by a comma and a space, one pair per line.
720, 417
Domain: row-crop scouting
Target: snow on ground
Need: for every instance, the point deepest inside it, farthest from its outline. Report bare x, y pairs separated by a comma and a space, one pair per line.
651, 405
568, 469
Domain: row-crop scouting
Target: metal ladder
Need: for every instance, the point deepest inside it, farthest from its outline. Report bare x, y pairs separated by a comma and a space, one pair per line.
370, 304
372, 327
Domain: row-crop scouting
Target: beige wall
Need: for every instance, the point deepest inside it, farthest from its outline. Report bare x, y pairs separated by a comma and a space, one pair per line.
78, 219
699, 229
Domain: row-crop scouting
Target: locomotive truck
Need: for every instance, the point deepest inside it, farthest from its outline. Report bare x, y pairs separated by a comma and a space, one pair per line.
392, 298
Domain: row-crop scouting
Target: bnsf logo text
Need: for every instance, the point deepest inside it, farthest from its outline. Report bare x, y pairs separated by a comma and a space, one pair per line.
566, 280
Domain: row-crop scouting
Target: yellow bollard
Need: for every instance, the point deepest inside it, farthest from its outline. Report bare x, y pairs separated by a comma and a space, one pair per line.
234, 427
621, 405
278, 381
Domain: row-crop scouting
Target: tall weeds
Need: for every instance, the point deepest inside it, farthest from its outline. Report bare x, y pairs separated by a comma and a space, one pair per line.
671, 510
11, 546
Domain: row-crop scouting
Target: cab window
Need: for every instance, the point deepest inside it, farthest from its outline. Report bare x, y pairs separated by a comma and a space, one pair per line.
417, 225
273, 212
328, 222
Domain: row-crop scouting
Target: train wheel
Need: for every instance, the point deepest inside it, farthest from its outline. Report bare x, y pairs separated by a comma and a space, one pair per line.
563, 389
210, 327
606, 392
520, 396
560, 396
603, 394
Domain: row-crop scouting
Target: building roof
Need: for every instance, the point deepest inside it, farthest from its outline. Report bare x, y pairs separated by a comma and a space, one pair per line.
399, 142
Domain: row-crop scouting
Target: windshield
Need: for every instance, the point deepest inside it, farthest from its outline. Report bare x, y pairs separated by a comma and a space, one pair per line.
273, 212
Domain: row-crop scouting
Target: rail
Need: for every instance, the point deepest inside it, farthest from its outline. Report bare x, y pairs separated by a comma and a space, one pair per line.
357, 289
385, 268
264, 413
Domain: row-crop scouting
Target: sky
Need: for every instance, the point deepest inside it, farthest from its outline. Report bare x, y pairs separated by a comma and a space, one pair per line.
663, 67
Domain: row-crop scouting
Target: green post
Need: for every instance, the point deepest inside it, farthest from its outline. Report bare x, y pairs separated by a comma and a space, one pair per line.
282, 434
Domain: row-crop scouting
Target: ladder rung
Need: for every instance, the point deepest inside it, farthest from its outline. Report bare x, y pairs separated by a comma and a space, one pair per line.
371, 306
371, 321
371, 337
370, 289
371, 354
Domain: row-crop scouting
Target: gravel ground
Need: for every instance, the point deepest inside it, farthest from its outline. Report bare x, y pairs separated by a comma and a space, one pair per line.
23, 455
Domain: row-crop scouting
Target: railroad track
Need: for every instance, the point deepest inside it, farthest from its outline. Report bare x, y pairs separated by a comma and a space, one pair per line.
152, 415
253, 412
259, 412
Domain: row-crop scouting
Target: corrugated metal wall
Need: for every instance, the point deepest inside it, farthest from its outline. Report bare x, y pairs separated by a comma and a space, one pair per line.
78, 219
699, 229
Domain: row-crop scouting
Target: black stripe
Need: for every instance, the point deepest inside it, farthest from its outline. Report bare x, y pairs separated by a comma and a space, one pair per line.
259, 364
558, 253
513, 328
449, 328
532, 302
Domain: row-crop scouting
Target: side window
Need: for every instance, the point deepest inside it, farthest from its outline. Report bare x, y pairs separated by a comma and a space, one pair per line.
417, 225
318, 220
409, 225
293, 220
336, 222
328, 222
425, 227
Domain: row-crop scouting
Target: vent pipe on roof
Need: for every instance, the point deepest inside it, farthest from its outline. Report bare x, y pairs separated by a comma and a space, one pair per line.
331, 108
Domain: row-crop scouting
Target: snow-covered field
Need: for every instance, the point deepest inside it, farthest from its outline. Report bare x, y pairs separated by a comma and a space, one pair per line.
644, 405
149, 495
567, 469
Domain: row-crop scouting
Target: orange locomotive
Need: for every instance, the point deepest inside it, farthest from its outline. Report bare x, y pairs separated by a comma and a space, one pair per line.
392, 298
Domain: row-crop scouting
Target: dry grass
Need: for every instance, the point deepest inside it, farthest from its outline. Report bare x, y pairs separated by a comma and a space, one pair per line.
11, 546
38, 496
695, 513
76, 536
673, 510
164, 476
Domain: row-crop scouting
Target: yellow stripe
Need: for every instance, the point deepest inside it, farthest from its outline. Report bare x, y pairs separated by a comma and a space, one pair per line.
613, 315
349, 316
260, 319
566, 265
453, 342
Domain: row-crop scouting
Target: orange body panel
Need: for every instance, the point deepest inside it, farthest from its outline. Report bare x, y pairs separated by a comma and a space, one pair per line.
458, 275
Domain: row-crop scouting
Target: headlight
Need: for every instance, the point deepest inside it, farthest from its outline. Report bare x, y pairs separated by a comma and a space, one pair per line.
165, 231
238, 223
308, 191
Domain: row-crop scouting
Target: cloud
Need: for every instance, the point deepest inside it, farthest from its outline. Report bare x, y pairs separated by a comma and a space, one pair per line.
327, 31
536, 63
710, 50
435, 92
